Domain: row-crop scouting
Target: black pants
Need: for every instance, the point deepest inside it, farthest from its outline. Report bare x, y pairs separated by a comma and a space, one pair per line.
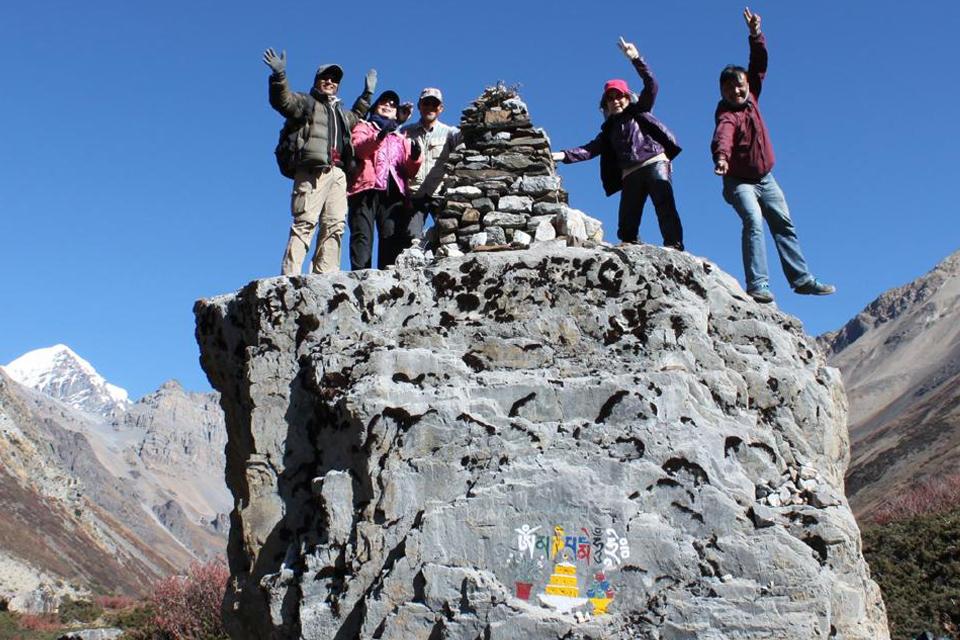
422, 210
386, 210
652, 180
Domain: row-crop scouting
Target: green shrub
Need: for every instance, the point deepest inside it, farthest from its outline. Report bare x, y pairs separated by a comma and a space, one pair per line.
135, 617
916, 562
82, 611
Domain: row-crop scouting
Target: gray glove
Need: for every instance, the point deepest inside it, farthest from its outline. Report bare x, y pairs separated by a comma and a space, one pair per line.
277, 63
370, 82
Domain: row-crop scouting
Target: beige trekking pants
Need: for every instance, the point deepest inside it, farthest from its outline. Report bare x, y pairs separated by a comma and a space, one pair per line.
319, 196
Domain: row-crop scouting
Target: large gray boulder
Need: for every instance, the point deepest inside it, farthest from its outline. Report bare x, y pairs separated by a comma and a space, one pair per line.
551, 443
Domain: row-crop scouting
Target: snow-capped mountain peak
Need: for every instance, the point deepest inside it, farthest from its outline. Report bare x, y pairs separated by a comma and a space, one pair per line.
59, 372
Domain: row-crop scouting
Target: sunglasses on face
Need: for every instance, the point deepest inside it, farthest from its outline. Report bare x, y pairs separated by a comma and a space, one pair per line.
329, 80
430, 103
388, 103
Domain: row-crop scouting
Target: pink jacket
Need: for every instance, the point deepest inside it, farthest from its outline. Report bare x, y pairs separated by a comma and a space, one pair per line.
380, 159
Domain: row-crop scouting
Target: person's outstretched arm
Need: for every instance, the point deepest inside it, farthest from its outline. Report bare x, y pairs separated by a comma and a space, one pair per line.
288, 103
362, 104
650, 87
722, 144
579, 154
757, 69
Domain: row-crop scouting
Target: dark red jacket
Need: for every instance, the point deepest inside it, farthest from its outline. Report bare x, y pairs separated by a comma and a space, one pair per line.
741, 135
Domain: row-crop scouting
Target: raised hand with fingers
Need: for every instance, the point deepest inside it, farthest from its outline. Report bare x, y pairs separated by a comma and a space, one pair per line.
277, 63
629, 49
370, 81
753, 21
404, 111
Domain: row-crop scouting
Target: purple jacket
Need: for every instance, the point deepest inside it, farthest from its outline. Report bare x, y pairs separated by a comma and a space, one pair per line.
628, 138
741, 135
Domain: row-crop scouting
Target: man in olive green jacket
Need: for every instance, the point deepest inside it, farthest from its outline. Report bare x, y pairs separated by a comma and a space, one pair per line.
316, 151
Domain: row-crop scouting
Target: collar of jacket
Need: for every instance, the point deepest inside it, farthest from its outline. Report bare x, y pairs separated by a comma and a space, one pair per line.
748, 104
319, 96
629, 113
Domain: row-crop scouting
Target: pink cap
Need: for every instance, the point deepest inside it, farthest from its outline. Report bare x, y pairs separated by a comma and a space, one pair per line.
618, 84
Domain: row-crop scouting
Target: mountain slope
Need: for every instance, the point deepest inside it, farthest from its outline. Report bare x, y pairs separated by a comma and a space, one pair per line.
101, 493
65, 514
900, 359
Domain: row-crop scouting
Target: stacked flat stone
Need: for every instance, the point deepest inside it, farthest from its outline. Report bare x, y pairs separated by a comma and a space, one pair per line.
502, 186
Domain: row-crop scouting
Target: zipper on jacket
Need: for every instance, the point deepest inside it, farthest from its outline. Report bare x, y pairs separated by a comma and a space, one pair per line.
334, 133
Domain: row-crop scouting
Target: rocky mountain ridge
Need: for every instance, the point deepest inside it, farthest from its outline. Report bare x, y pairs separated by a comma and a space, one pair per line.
900, 360
60, 373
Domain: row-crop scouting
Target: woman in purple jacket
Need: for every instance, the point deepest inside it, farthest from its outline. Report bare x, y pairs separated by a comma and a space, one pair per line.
635, 151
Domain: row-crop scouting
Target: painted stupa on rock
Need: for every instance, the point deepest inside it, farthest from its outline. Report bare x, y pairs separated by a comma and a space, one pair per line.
562, 592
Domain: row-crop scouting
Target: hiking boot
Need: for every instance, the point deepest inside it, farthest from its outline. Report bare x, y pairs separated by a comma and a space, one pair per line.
675, 245
815, 288
762, 295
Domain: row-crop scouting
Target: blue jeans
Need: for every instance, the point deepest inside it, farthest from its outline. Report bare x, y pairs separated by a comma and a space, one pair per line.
754, 202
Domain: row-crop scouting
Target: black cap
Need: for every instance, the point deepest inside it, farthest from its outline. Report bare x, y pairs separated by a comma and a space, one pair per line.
334, 70
389, 94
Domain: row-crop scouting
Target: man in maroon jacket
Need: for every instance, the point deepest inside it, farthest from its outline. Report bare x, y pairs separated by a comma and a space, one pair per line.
743, 155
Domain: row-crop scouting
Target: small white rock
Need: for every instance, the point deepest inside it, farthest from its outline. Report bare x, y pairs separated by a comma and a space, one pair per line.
522, 238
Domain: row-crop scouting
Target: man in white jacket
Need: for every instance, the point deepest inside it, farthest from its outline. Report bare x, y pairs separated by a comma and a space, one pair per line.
437, 140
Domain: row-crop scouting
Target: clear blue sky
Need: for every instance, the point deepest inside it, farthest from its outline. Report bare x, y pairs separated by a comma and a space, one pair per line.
137, 142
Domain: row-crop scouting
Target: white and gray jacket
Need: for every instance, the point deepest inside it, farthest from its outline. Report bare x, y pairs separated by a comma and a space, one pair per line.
435, 144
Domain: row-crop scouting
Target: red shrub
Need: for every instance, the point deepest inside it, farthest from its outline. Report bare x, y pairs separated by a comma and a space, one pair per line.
188, 607
44, 622
931, 496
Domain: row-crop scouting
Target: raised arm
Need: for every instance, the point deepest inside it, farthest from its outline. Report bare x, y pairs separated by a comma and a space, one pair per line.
288, 103
649, 94
757, 69
362, 104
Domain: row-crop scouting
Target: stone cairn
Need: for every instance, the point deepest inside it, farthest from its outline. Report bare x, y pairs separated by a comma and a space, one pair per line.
502, 188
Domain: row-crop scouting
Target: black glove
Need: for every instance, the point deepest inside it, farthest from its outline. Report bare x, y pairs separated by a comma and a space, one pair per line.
277, 63
414, 149
370, 82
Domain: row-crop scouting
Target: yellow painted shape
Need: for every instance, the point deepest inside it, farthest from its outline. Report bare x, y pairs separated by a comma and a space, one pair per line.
565, 570
557, 543
564, 581
600, 605
569, 592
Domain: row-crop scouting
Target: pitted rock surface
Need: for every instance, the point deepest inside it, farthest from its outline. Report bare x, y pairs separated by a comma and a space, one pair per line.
551, 443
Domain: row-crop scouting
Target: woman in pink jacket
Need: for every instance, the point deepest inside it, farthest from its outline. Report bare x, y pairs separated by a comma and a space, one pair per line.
378, 188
